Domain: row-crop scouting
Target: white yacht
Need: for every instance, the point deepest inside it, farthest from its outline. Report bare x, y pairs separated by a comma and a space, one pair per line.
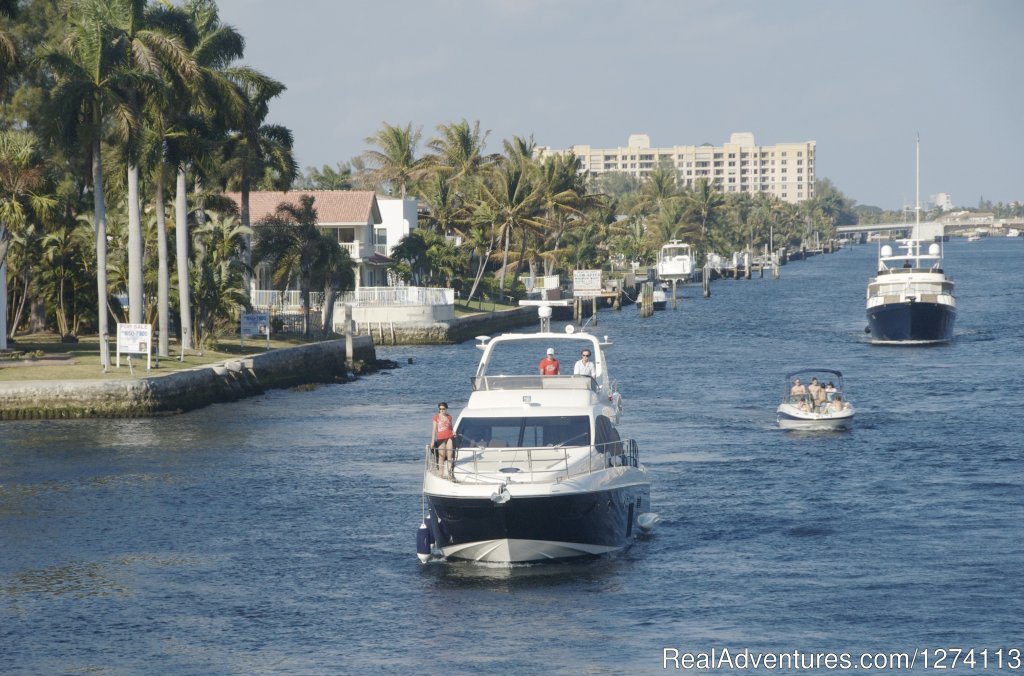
676, 262
800, 409
910, 299
541, 472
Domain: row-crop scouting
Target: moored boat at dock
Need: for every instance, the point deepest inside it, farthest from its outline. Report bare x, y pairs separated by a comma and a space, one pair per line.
676, 262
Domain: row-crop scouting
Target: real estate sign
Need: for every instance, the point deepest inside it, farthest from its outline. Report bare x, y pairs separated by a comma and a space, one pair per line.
134, 339
255, 324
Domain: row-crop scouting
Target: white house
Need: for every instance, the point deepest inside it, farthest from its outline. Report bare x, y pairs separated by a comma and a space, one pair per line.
398, 219
354, 216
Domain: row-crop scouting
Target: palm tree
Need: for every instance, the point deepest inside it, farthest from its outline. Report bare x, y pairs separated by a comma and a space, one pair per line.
88, 88
64, 255
152, 48
327, 178
21, 178
337, 270
658, 188
294, 247
479, 238
8, 50
511, 203
410, 254
704, 200
446, 209
394, 165
205, 111
219, 272
459, 152
258, 151
565, 201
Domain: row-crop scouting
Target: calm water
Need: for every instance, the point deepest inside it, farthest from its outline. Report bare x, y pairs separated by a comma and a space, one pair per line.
278, 534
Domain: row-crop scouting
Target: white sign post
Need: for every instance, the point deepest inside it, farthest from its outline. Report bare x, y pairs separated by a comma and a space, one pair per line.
134, 339
586, 283
255, 324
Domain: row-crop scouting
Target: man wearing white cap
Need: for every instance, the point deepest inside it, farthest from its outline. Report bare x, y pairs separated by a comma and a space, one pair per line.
549, 365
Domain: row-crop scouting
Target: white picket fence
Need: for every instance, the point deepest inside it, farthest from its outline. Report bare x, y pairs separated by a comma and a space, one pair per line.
373, 296
389, 296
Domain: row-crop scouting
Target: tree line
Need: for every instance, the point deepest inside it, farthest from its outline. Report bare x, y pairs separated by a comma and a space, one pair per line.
486, 217
124, 122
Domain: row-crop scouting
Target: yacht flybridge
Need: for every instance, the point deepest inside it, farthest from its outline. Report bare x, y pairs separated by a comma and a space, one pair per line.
541, 472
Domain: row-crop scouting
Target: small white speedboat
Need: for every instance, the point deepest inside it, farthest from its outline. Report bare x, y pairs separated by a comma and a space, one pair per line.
814, 399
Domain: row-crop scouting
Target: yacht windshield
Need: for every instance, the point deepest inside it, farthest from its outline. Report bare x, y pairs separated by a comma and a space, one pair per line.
529, 432
517, 357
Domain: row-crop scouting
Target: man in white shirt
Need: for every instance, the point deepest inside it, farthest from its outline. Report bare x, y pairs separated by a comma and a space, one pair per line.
584, 367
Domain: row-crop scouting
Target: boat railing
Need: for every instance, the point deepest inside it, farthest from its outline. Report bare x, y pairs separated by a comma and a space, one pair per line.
533, 382
494, 463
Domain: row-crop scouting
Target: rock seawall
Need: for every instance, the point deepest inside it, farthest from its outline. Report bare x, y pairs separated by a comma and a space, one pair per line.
181, 391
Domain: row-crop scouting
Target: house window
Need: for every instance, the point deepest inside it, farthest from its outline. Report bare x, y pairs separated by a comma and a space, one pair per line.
346, 235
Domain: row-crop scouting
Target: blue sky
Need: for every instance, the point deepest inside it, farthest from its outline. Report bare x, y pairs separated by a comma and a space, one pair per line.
861, 78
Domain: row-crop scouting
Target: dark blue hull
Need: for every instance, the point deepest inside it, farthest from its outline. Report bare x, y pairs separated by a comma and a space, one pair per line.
581, 524
912, 322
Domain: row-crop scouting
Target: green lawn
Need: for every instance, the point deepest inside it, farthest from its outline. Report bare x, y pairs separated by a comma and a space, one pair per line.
78, 361
462, 308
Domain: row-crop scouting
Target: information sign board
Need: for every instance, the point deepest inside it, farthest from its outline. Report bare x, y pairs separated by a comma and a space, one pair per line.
255, 324
586, 283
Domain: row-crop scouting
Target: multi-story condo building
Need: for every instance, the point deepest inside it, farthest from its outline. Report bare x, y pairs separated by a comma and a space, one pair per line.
785, 170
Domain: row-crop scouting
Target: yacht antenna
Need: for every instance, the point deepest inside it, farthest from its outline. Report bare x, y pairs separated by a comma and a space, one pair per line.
917, 189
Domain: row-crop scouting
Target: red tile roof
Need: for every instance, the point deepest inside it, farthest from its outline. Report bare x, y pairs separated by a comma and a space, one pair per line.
333, 207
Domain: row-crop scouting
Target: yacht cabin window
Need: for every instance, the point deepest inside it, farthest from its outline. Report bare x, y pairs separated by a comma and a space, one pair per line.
532, 432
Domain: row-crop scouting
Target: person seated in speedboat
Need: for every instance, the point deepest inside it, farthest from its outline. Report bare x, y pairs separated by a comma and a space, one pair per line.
837, 405
830, 391
798, 391
817, 393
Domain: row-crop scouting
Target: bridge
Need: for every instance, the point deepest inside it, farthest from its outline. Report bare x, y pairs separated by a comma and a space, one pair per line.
929, 229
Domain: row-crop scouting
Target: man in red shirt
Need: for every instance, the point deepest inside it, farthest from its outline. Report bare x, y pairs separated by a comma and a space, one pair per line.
549, 365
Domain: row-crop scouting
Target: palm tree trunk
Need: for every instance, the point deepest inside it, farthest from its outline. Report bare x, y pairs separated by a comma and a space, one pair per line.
481, 266
3, 301
135, 288
163, 276
181, 258
327, 317
304, 283
62, 314
247, 239
21, 297
519, 263
504, 261
101, 247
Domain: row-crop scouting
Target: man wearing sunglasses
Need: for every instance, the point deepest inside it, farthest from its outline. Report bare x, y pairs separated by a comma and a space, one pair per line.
584, 367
